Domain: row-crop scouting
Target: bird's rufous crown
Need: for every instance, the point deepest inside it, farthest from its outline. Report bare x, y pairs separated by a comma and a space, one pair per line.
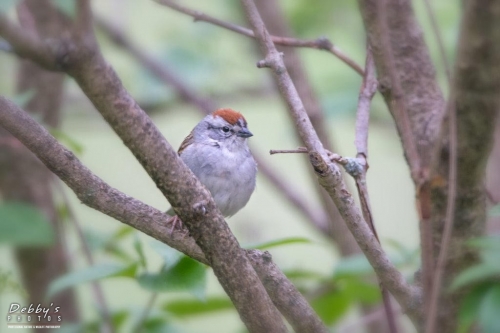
229, 115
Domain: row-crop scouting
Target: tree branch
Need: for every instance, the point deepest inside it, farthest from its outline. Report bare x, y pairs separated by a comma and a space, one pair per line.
368, 89
163, 73
321, 43
190, 199
276, 23
329, 174
95, 193
407, 78
474, 95
26, 45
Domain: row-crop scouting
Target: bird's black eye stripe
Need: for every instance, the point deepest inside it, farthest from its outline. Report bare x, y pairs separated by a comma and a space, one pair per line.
225, 129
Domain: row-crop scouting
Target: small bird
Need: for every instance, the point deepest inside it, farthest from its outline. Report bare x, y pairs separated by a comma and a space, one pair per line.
217, 153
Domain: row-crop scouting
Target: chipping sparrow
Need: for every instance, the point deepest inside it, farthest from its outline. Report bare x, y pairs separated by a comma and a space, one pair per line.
217, 152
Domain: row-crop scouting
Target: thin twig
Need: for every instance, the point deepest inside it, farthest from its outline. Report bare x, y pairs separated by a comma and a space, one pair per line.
154, 66
95, 193
99, 294
205, 105
329, 175
439, 38
83, 21
144, 315
321, 43
354, 326
448, 223
368, 90
288, 151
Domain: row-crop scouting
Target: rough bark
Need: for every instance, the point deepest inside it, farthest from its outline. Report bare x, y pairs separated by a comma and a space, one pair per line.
420, 93
329, 175
95, 193
276, 23
493, 181
81, 58
476, 87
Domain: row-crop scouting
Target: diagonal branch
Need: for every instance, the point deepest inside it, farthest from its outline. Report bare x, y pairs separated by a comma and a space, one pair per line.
26, 45
95, 193
329, 174
192, 202
367, 91
321, 43
162, 72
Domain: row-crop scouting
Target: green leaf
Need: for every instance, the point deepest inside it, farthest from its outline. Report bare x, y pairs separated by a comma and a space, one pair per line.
92, 273
122, 232
489, 310
170, 256
296, 274
279, 242
118, 318
469, 308
356, 265
6, 5
331, 306
408, 255
67, 140
186, 275
361, 291
68, 7
108, 244
494, 211
475, 274
24, 225
157, 325
140, 251
185, 308
486, 243
10, 284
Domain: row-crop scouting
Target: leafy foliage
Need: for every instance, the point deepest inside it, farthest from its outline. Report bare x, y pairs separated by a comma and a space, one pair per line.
482, 303
22, 224
89, 274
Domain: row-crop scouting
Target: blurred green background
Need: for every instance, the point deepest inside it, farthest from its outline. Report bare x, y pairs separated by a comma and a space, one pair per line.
221, 65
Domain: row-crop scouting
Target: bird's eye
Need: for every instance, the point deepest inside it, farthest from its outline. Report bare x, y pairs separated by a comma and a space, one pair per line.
225, 129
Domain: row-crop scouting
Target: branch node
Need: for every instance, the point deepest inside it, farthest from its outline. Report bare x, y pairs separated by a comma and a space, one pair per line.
354, 167
324, 43
319, 165
263, 63
200, 207
267, 257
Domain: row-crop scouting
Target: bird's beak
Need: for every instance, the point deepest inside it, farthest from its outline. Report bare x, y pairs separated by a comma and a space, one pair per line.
244, 133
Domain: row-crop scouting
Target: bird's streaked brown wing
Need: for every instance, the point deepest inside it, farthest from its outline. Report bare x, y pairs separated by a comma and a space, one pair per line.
187, 141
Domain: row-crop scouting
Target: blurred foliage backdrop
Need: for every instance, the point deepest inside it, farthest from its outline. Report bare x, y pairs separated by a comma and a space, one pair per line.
221, 65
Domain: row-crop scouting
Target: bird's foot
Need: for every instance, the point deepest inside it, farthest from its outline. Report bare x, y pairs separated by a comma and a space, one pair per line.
176, 223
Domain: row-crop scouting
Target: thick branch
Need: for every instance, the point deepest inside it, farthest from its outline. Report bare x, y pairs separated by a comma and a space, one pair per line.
475, 91
189, 198
329, 174
95, 193
163, 73
321, 43
407, 77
